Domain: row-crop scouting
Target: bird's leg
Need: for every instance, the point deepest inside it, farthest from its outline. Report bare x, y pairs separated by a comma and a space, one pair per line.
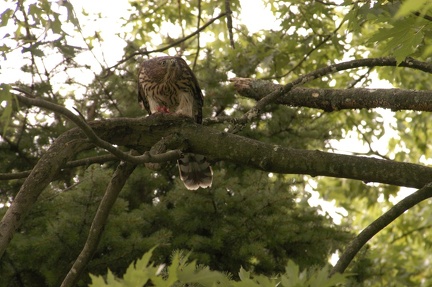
162, 109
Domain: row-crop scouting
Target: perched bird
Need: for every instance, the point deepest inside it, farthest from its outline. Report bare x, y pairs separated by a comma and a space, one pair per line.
168, 85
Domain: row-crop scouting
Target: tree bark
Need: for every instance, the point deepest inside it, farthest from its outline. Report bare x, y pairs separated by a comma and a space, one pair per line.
337, 99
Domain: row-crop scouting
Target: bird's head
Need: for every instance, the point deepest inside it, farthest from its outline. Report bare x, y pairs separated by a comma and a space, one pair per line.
163, 68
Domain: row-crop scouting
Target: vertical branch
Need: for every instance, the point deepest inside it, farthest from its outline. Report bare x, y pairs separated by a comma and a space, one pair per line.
229, 22
180, 20
30, 38
116, 184
198, 35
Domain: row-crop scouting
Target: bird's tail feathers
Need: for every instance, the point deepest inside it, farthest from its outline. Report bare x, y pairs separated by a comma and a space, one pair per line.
195, 171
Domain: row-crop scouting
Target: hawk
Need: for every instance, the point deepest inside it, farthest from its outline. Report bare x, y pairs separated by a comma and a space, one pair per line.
168, 85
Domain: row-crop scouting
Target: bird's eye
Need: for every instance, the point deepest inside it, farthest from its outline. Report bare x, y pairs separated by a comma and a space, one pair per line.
163, 63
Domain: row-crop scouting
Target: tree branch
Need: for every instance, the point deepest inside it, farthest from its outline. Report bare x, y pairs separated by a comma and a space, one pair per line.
228, 13
331, 69
145, 132
82, 124
379, 224
337, 99
71, 164
116, 184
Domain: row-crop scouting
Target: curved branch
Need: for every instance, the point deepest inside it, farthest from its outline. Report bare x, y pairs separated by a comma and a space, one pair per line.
82, 124
116, 184
379, 224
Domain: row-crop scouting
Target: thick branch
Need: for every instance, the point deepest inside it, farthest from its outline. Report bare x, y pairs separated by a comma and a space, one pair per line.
116, 184
331, 69
338, 99
145, 132
379, 224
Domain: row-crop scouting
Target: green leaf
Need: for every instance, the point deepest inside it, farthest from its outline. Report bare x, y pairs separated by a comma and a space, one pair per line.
67, 50
292, 276
112, 281
410, 6
71, 14
141, 271
427, 51
97, 281
408, 45
173, 268
5, 16
243, 274
6, 96
56, 25
401, 40
33, 50
207, 277
36, 12
292, 270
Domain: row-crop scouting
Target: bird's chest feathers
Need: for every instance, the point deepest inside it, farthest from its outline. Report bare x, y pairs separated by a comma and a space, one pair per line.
170, 97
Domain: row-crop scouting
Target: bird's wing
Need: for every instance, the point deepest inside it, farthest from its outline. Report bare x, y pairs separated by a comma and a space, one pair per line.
195, 89
142, 98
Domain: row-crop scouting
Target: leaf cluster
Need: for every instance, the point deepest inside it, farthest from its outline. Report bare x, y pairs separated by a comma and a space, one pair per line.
181, 272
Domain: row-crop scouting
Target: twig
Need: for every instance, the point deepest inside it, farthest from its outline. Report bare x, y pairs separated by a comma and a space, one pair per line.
173, 44
116, 184
306, 56
229, 22
405, 234
380, 223
75, 163
361, 78
328, 3
198, 36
